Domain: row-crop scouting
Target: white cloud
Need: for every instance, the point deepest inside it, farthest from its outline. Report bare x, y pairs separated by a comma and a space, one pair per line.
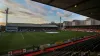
60, 14
64, 14
37, 7
2, 19
54, 8
50, 12
20, 14
67, 13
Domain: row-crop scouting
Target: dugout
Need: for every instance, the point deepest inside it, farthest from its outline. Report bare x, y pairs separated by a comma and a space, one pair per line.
2, 28
31, 27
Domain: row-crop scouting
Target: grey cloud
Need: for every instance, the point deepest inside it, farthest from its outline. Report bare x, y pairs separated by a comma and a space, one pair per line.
39, 8
64, 14
18, 12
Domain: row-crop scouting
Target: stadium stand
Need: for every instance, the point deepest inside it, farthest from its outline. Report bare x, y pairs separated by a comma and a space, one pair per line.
31, 27
78, 49
86, 46
88, 28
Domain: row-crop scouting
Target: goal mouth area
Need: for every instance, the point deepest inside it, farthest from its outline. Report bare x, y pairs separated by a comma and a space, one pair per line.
51, 32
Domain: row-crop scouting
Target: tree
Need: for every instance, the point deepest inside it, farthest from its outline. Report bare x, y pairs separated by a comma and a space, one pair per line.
53, 23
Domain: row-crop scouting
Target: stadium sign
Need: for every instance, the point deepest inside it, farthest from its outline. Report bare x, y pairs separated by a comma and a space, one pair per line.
29, 50
9, 53
16, 52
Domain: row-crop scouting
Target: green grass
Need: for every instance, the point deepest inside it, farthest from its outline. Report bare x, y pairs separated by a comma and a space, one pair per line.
14, 40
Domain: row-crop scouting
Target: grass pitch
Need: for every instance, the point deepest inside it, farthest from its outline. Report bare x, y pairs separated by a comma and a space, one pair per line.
17, 40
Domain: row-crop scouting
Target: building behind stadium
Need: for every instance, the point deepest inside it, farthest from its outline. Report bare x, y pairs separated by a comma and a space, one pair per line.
88, 21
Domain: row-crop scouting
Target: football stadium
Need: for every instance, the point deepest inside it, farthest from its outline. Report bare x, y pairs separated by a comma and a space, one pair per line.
48, 28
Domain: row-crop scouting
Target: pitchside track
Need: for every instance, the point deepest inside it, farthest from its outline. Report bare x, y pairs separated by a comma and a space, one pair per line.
17, 40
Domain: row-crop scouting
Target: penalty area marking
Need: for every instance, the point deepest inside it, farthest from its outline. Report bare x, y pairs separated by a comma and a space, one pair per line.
22, 35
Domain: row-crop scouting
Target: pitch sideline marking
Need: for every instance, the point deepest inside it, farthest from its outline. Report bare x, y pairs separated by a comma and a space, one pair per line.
22, 35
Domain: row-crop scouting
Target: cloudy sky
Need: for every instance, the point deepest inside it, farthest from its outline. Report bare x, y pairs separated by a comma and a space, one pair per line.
26, 11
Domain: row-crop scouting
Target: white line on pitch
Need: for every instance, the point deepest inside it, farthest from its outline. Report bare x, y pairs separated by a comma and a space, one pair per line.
22, 35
